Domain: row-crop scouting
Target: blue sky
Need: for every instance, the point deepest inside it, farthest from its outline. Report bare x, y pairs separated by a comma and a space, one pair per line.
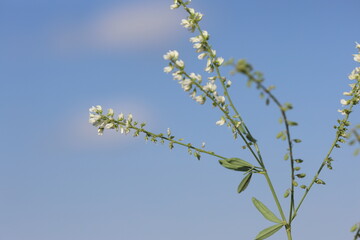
59, 180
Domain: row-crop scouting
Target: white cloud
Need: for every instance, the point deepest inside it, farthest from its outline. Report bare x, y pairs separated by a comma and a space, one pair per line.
123, 27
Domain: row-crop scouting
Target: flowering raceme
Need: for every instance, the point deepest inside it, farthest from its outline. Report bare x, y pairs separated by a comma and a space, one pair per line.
213, 88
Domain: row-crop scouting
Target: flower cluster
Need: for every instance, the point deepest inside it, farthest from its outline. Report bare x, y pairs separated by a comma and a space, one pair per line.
200, 43
192, 82
354, 92
192, 21
102, 122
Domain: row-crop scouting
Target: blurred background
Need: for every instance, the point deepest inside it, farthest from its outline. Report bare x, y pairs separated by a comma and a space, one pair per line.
60, 180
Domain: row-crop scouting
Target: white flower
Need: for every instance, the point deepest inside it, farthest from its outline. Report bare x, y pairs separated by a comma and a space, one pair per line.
129, 118
195, 39
186, 23
180, 64
171, 55
168, 132
202, 55
168, 68
219, 61
221, 121
355, 74
177, 75
344, 102
110, 112
220, 99
209, 87
191, 10
357, 45
228, 84
109, 125
197, 45
94, 118
212, 79
206, 35
186, 84
209, 66
347, 93
174, 6
197, 16
96, 109
92, 109
203, 144
121, 117
200, 99
356, 57
195, 77
341, 111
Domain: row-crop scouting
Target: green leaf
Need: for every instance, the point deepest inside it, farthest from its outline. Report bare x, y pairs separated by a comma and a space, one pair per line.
236, 164
269, 215
244, 183
353, 228
279, 135
267, 232
291, 123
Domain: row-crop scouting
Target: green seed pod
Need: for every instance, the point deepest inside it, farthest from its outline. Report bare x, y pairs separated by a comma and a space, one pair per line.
287, 193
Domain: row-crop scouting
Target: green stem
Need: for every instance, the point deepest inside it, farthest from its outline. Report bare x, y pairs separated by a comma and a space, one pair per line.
274, 194
188, 145
357, 234
241, 131
287, 128
338, 135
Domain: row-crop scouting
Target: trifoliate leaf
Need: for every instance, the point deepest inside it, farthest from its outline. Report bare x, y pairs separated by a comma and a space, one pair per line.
267, 232
269, 215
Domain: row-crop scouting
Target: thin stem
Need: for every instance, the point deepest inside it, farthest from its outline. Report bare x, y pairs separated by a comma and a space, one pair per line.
337, 136
274, 195
357, 234
170, 140
283, 113
227, 116
239, 130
